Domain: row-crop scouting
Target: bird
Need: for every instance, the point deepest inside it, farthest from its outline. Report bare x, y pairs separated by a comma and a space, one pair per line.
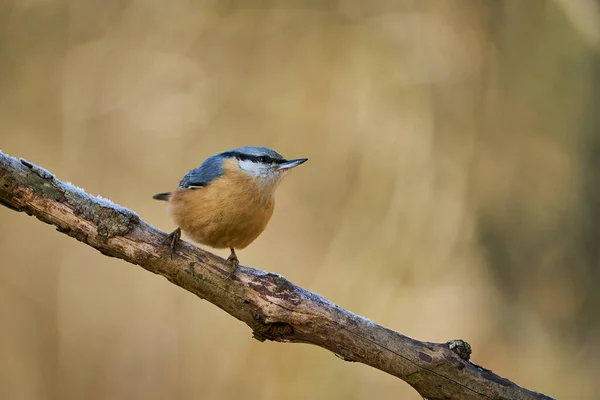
228, 201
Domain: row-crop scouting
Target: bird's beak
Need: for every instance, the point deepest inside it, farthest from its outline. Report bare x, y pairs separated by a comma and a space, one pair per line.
292, 163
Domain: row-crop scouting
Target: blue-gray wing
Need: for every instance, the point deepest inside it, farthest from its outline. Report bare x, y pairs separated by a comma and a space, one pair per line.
202, 176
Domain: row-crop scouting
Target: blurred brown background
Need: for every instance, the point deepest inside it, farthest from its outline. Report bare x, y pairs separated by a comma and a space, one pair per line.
453, 187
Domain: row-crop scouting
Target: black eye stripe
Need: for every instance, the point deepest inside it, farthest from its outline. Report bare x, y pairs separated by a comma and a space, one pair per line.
254, 158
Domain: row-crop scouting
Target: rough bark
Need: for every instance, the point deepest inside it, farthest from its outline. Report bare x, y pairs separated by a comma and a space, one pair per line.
274, 308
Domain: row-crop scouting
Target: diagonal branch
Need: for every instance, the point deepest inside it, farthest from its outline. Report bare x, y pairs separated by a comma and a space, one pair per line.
274, 308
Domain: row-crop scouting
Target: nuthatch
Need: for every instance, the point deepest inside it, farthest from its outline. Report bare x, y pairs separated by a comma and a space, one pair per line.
228, 201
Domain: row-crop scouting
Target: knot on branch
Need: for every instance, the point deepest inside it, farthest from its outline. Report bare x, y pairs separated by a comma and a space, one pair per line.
461, 348
277, 331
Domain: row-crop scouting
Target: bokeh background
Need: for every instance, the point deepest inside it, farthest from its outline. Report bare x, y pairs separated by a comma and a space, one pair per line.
452, 191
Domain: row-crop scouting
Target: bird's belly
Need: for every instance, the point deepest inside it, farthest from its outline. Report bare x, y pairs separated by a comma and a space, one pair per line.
221, 221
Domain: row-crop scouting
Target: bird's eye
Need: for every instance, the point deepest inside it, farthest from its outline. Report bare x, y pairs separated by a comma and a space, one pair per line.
263, 159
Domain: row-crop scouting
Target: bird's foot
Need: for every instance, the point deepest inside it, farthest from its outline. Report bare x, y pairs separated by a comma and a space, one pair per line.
173, 239
233, 260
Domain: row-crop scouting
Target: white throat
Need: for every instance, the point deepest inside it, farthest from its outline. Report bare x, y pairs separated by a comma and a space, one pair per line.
266, 177
259, 170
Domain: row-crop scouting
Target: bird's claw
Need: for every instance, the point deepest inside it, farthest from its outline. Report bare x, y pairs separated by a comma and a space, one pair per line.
173, 239
233, 260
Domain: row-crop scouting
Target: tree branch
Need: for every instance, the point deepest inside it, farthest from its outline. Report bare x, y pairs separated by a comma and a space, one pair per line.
274, 308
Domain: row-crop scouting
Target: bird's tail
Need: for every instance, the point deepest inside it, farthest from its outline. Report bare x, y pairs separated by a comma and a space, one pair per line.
162, 196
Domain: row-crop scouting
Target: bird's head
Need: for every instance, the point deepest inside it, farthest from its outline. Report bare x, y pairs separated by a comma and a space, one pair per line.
265, 165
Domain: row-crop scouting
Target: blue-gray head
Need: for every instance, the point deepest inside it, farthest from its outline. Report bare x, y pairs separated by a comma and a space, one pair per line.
258, 162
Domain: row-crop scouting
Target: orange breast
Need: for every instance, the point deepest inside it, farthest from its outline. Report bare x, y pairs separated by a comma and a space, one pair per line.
231, 212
